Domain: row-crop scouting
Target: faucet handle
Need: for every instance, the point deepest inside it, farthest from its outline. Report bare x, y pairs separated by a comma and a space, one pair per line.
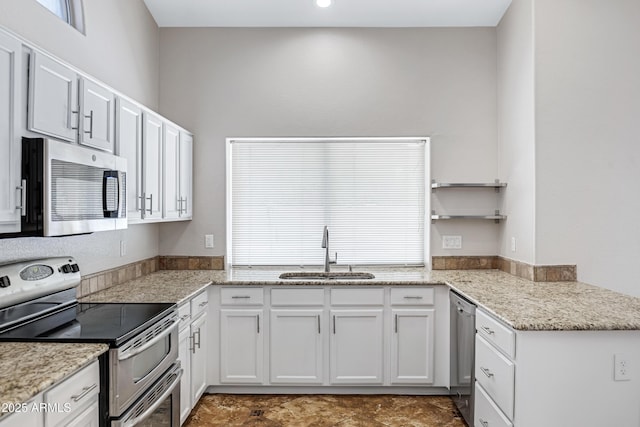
335, 259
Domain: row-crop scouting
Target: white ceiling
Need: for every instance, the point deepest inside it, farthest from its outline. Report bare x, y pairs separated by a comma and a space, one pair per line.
343, 13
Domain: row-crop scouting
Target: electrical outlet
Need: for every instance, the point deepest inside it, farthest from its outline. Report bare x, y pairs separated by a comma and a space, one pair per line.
451, 242
208, 241
123, 248
622, 367
513, 244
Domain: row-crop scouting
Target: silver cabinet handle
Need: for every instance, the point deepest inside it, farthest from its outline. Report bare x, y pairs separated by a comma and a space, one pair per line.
334, 324
185, 205
412, 297
142, 200
487, 330
483, 422
69, 119
90, 117
487, 372
240, 297
85, 391
197, 343
203, 303
150, 198
23, 197
395, 322
258, 322
192, 343
318, 323
184, 317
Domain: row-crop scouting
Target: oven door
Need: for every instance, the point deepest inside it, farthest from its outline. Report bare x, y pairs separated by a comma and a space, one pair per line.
139, 362
159, 406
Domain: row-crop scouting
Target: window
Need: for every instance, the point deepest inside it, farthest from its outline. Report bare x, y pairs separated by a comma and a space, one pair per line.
70, 11
370, 192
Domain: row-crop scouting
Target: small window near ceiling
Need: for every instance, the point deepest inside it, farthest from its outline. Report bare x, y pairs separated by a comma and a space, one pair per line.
70, 11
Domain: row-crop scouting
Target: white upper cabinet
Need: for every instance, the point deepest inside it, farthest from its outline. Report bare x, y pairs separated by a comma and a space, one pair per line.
171, 152
129, 145
10, 82
151, 166
53, 98
186, 175
98, 107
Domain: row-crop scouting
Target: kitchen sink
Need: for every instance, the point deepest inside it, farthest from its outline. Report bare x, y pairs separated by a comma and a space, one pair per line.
321, 275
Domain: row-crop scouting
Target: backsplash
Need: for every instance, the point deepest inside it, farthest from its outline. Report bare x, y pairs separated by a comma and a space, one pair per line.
92, 283
536, 273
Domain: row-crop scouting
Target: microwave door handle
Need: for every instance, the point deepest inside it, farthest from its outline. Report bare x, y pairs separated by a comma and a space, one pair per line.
128, 354
136, 420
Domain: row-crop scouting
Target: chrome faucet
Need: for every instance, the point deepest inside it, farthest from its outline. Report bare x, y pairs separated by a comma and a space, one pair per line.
325, 245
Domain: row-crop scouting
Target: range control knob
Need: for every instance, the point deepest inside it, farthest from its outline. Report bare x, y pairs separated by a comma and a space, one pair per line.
5, 282
75, 268
66, 268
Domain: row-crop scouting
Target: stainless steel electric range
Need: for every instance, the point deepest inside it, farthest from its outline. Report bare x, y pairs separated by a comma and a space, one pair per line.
140, 374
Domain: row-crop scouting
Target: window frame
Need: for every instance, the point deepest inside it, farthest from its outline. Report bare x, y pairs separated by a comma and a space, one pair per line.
229, 184
74, 13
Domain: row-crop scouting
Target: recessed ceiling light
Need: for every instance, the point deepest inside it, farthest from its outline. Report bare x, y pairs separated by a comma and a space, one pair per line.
323, 3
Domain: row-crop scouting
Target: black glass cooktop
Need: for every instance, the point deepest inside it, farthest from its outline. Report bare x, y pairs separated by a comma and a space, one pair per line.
111, 323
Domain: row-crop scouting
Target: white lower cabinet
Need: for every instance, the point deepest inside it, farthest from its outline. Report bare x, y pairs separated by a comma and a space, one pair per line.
330, 336
486, 412
356, 346
412, 352
25, 416
193, 343
241, 346
296, 346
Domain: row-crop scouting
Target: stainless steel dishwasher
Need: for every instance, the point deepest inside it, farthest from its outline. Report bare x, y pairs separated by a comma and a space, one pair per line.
463, 330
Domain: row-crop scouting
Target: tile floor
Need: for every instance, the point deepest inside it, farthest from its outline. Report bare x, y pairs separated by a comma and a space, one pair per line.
324, 411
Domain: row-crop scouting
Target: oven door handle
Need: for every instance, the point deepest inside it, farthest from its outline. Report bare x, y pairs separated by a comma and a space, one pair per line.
132, 422
128, 354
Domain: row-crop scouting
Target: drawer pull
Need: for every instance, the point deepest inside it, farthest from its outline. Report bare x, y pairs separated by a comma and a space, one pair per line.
240, 297
483, 422
202, 304
488, 330
487, 372
85, 391
184, 317
412, 297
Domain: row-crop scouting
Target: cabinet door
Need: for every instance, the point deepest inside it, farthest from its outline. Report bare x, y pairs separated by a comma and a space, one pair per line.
295, 345
199, 358
26, 417
10, 84
97, 115
356, 346
186, 175
152, 166
412, 346
241, 346
90, 417
53, 98
171, 163
185, 342
129, 146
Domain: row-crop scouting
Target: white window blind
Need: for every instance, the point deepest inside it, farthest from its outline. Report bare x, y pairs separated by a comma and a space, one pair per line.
369, 192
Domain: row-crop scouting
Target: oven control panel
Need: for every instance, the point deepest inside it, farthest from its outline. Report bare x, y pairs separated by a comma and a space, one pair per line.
26, 280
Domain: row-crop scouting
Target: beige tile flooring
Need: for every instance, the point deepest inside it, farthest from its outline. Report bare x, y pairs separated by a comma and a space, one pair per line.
324, 411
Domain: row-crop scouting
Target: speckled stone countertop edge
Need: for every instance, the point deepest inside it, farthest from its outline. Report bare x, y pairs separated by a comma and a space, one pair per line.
48, 365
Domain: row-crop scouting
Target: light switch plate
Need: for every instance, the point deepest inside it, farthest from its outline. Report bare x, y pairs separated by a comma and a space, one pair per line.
208, 241
451, 242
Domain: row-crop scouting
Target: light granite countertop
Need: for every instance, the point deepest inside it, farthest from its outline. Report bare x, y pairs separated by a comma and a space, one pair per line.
520, 303
27, 368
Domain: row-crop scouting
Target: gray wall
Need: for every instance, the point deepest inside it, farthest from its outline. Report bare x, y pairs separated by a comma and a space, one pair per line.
223, 83
120, 48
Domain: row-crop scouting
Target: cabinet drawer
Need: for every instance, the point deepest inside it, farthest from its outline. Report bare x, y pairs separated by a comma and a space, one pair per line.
73, 394
486, 413
199, 304
299, 297
496, 374
360, 296
184, 315
496, 333
241, 296
412, 296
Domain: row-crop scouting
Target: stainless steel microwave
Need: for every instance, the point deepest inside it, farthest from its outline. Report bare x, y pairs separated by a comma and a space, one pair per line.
68, 189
